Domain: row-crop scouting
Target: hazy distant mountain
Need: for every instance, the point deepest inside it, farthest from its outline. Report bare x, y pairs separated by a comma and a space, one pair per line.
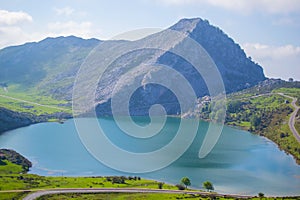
50, 67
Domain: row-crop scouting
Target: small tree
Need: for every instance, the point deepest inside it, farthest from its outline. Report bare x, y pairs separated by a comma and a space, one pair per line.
261, 195
186, 181
160, 185
208, 185
255, 121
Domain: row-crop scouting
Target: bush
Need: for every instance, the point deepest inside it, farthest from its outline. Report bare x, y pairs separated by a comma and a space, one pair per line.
160, 185
261, 195
118, 180
180, 187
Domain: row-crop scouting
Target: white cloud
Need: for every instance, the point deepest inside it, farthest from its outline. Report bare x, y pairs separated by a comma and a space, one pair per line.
12, 18
270, 6
11, 27
82, 29
11, 35
67, 11
277, 61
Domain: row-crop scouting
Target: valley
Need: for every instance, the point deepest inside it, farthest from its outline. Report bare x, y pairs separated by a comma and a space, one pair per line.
38, 85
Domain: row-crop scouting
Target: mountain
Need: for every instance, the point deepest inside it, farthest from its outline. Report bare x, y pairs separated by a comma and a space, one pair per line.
237, 70
49, 67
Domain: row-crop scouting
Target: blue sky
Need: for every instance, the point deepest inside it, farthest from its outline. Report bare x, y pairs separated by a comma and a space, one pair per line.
268, 30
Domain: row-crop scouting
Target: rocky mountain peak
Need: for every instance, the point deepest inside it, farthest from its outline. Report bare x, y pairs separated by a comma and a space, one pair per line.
187, 25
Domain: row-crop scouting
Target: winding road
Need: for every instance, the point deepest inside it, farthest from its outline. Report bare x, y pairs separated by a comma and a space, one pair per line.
40, 193
293, 116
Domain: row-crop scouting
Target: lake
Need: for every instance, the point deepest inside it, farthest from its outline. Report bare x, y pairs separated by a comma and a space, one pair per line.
240, 163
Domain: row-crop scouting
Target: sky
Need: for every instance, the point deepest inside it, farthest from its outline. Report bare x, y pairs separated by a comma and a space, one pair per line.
268, 30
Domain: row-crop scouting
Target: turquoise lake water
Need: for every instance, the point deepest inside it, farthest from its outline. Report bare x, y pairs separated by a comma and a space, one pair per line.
240, 163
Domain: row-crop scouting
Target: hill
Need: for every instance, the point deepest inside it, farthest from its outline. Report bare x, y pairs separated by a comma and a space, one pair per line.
47, 67
264, 109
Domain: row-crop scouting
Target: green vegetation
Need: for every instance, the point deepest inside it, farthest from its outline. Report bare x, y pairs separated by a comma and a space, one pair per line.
7, 167
12, 195
264, 111
297, 122
294, 92
261, 195
31, 181
185, 181
268, 116
13, 168
31, 102
17, 181
160, 185
19, 108
208, 186
12, 162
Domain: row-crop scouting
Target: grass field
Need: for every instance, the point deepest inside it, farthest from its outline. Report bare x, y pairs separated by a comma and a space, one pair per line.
297, 122
27, 101
31, 181
12, 195
294, 92
7, 167
11, 178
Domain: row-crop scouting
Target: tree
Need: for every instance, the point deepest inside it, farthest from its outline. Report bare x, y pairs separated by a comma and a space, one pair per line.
261, 195
208, 185
186, 181
255, 121
234, 106
160, 185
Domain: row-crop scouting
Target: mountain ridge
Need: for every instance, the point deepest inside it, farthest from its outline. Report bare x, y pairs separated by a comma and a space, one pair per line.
49, 67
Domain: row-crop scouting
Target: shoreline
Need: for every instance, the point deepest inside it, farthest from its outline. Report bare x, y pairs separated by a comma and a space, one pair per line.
62, 121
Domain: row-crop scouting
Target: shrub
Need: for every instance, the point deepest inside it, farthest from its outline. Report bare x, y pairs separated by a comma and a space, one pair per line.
118, 180
180, 187
260, 195
160, 185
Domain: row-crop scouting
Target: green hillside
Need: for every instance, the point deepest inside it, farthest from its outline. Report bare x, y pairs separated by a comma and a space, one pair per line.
45, 68
263, 110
